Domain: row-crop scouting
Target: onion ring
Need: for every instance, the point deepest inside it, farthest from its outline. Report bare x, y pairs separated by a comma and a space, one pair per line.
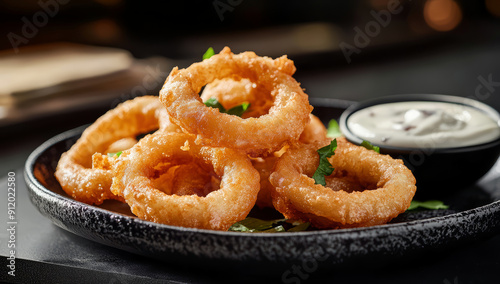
388, 187
74, 171
285, 121
231, 93
315, 131
121, 144
153, 155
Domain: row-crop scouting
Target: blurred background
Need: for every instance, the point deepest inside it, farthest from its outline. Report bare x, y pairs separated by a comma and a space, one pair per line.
53, 61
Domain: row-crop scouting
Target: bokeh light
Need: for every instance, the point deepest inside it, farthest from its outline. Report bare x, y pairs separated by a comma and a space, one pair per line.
493, 7
102, 30
442, 15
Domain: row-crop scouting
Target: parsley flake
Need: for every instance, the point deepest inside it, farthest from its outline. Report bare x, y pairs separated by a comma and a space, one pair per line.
369, 146
237, 110
209, 53
333, 130
430, 204
255, 225
324, 168
117, 154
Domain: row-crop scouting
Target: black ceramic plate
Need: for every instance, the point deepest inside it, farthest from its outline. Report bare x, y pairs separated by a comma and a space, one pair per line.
474, 213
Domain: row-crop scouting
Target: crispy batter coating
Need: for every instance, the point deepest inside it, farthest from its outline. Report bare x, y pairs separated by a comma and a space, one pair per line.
383, 187
315, 132
205, 169
268, 133
75, 172
137, 168
231, 93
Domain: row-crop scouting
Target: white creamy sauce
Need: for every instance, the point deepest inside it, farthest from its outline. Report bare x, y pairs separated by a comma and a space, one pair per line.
423, 125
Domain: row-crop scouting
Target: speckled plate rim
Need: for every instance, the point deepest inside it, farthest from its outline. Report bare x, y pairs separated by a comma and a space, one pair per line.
170, 242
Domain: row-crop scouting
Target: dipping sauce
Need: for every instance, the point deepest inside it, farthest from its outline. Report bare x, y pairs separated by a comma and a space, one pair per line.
423, 124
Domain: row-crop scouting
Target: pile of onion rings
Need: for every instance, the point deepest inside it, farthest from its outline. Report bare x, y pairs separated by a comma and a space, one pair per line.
175, 160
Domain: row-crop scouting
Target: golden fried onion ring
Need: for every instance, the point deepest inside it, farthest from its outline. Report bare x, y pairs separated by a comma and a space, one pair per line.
129, 119
315, 132
285, 121
231, 93
389, 187
137, 167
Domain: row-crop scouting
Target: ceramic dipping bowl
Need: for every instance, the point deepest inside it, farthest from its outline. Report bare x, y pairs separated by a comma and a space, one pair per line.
438, 170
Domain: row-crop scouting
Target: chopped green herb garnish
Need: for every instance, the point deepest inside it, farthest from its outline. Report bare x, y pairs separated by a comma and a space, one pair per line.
258, 224
237, 110
209, 53
117, 154
324, 167
369, 146
430, 204
254, 225
333, 130
213, 102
